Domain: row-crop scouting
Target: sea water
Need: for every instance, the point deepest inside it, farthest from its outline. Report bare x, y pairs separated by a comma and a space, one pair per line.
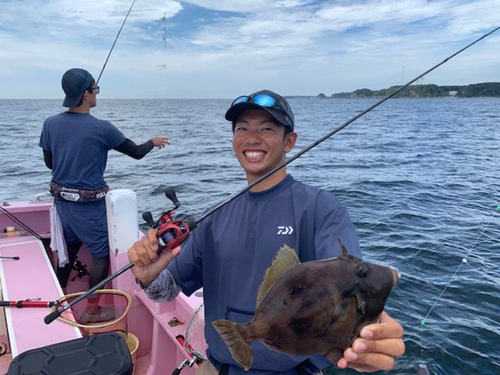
420, 178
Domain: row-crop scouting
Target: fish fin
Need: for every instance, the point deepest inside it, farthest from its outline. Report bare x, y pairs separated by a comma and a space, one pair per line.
361, 304
334, 355
239, 349
344, 254
343, 251
285, 259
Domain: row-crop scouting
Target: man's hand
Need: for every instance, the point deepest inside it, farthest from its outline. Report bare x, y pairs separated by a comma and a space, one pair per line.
160, 142
148, 264
377, 347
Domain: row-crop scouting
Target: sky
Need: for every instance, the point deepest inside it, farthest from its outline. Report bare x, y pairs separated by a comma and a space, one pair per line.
225, 48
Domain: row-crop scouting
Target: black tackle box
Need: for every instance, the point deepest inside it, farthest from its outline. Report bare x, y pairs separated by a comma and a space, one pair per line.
105, 354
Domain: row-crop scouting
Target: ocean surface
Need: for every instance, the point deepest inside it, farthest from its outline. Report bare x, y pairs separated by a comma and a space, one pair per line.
420, 178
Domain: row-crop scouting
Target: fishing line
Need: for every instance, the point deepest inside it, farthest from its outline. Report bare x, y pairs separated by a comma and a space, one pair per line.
164, 28
51, 317
484, 228
113, 46
422, 366
464, 261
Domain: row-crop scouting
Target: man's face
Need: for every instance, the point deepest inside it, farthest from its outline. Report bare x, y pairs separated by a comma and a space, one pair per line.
259, 143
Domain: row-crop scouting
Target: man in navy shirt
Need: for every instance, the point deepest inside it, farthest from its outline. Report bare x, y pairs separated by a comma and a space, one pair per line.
75, 147
231, 249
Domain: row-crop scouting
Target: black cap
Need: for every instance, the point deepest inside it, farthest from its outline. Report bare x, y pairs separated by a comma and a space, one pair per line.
74, 83
281, 110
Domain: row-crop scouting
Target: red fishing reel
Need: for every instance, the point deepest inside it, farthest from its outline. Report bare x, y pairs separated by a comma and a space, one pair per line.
170, 232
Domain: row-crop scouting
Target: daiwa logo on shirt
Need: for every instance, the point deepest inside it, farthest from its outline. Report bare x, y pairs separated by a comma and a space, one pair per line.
285, 230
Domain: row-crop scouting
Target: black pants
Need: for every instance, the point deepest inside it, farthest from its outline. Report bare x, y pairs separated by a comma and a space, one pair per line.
99, 271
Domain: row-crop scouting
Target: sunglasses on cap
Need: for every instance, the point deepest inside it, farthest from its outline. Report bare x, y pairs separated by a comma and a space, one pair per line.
264, 100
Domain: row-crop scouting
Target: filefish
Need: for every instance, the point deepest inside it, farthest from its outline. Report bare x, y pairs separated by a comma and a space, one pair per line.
316, 307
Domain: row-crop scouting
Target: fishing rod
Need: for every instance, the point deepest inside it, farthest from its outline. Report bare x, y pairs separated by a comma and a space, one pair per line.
171, 232
13, 217
339, 128
28, 303
16, 220
48, 319
113, 46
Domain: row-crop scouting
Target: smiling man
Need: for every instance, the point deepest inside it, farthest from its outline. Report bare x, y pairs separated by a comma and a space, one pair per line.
261, 144
230, 251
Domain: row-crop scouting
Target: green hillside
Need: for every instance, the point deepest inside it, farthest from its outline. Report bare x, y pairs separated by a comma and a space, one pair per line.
487, 89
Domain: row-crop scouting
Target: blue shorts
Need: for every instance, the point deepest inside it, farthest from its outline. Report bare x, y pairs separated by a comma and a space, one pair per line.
87, 223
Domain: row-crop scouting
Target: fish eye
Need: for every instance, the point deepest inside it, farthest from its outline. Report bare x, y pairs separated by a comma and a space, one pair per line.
362, 270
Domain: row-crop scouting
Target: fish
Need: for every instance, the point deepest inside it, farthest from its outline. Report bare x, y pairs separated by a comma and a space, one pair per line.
316, 307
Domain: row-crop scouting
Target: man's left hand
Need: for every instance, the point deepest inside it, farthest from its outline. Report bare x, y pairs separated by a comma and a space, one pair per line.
160, 142
376, 348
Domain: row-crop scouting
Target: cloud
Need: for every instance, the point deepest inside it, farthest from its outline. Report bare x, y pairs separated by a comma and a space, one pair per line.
71, 19
248, 6
472, 17
389, 28
218, 47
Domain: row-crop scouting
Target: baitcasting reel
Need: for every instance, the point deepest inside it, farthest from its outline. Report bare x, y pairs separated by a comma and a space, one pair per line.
171, 232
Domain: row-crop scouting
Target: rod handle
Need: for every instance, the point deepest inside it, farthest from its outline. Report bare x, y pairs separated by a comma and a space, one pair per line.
51, 317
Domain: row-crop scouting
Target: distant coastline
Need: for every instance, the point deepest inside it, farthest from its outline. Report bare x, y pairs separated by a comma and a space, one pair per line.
477, 90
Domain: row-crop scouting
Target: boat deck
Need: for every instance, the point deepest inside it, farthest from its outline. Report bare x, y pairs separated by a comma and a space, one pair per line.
33, 276
42, 282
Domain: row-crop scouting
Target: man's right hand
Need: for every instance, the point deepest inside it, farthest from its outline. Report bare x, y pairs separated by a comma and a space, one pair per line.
148, 264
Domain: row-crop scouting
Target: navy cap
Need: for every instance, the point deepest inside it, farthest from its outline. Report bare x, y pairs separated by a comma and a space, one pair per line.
74, 83
280, 111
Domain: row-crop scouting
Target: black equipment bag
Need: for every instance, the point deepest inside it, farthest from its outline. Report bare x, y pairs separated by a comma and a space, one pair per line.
105, 354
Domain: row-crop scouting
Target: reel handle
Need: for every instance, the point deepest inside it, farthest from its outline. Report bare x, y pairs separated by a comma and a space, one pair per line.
170, 194
148, 218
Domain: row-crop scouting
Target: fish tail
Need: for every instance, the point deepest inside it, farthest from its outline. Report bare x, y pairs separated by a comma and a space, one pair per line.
240, 350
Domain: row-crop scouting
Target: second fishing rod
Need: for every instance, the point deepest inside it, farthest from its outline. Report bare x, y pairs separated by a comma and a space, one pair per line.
172, 232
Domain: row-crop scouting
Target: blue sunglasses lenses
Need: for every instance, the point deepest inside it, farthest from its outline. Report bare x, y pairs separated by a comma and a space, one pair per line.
241, 99
261, 99
268, 101
264, 100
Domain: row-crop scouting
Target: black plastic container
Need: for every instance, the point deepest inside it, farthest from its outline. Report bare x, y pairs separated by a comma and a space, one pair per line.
105, 354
